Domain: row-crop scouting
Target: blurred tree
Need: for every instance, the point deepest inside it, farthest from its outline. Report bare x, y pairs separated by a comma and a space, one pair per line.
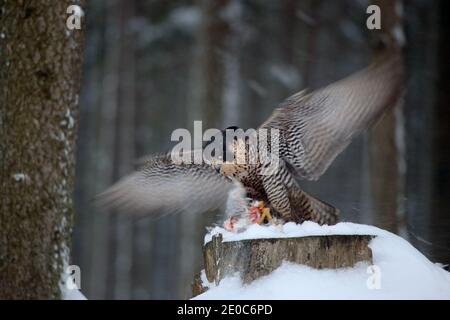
428, 128
441, 206
386, 138
39, 84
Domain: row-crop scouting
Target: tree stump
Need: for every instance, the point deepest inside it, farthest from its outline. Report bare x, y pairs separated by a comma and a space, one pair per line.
258, 257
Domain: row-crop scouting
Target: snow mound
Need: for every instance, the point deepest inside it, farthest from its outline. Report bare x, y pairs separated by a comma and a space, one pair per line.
73, 294
399, 270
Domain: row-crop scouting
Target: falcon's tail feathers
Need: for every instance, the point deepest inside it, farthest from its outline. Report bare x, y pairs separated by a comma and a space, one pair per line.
307, 207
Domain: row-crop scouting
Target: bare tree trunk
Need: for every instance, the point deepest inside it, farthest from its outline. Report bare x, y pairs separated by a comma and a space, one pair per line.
215, 31
440, 237
40, 62
421, 27
103, 260
125, 149
89, 181
386, 141
99, 276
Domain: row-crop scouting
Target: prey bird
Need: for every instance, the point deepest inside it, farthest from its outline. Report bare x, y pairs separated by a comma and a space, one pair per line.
312, 129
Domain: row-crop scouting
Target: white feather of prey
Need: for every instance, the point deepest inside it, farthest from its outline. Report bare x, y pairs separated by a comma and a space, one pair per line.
237, 201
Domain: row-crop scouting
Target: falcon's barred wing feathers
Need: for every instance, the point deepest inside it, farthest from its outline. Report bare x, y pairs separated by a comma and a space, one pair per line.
315, 127
161, 186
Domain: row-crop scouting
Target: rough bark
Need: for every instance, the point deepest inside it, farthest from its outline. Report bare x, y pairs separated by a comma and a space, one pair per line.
40, 61
258, 257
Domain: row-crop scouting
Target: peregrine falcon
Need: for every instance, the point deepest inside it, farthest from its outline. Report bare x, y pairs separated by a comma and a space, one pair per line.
312, 129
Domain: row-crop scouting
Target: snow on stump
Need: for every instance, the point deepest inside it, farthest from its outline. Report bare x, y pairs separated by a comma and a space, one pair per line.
254, 258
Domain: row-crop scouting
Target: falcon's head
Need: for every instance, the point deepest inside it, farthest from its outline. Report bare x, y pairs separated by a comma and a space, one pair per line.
232, 145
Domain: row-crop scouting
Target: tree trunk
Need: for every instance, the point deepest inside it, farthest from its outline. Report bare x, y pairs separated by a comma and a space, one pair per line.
124, 150
40, 61
440, 220
258, 257
386, 138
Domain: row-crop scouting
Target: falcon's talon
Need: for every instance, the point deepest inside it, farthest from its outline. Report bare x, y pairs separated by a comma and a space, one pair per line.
259, 213
266, 215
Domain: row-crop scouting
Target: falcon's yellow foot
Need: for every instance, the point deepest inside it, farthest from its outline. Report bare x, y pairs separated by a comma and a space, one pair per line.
265, 216
260, 213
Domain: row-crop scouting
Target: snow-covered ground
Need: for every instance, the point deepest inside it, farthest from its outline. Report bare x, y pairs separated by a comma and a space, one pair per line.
73, 294
68, 286
399, 271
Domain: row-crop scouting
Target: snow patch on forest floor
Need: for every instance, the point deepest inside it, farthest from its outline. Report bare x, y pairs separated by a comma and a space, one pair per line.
404, 273
69, 289
73, 294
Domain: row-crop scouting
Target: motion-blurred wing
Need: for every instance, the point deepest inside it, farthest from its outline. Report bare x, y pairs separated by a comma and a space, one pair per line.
162, 186
316, 127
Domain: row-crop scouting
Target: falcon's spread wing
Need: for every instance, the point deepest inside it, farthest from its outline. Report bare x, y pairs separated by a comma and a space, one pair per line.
162, 186
315, 127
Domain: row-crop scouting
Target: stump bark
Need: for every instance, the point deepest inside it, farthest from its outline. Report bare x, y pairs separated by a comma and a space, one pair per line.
258, 257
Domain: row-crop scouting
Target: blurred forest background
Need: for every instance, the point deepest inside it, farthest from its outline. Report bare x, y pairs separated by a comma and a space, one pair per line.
152, 66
